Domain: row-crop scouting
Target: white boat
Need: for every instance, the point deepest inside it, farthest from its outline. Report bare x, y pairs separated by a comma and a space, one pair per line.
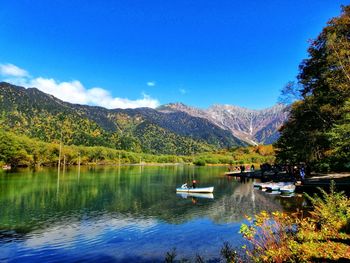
259, 185
184, 188
262, 186
277, 186
273, 192
237, 172
287, 189
197, 195
287, 195
274, 186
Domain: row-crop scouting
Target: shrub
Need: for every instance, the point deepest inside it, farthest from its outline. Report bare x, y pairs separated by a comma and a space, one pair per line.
331, 212
199, 162
323, 236
323, 167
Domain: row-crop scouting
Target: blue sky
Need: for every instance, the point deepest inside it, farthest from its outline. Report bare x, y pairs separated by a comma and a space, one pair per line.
146, 53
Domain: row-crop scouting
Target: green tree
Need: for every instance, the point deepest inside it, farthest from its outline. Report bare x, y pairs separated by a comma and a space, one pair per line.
325, 88
340, 140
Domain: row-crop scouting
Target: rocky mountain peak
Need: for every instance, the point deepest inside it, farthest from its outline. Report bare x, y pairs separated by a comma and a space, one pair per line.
249, 125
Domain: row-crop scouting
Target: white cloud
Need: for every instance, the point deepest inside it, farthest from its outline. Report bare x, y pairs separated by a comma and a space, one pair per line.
76, 231
75, 92
151, 83
101, 97
72, 91
183, 91
11, 70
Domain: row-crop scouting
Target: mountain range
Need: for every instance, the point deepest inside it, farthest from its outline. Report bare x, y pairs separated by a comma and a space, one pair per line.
172, 128
250, 126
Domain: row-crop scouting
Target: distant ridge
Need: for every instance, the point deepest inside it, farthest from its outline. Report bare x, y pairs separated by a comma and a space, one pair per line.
251, 126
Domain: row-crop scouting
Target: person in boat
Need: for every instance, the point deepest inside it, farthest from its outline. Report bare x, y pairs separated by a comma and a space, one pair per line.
184, 185
194, 183
252, 168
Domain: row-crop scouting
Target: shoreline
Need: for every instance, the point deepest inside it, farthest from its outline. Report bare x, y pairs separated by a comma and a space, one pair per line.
9, 168
330, 176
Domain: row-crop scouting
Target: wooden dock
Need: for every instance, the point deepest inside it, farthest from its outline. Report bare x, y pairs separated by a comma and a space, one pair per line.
342, 182
248, 174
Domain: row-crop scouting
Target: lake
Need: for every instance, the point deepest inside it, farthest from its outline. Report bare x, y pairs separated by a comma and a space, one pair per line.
123, 214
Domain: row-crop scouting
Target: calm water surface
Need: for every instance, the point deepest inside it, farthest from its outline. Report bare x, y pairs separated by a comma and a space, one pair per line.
127, 214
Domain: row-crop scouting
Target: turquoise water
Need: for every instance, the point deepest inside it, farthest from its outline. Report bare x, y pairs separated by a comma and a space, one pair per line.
126, 214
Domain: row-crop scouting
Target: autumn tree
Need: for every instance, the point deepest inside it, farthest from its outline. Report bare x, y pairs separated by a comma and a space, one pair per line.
324, 79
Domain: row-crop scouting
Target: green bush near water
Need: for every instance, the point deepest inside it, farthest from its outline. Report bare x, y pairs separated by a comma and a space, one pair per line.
322, 236
199, 162
19, 150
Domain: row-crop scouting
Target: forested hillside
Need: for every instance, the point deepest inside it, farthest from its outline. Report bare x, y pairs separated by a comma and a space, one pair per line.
39, 115
19, 150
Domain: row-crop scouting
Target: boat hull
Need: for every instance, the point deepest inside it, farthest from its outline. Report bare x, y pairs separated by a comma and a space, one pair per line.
288, 190
196, 190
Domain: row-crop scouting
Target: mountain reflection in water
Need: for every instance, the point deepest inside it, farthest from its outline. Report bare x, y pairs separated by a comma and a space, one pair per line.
122, 213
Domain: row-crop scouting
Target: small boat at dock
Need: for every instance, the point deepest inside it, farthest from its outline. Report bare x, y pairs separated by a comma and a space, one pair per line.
278, 186
287, 195
258, 185
246, 174
287, 189
271, 186
237, 172
262, 186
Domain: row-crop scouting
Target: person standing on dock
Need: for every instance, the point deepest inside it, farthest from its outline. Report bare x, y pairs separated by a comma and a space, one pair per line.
302, 174
242, 168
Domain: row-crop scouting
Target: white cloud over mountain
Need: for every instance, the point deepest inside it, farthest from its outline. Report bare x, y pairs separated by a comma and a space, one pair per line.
12, 71
73, 91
